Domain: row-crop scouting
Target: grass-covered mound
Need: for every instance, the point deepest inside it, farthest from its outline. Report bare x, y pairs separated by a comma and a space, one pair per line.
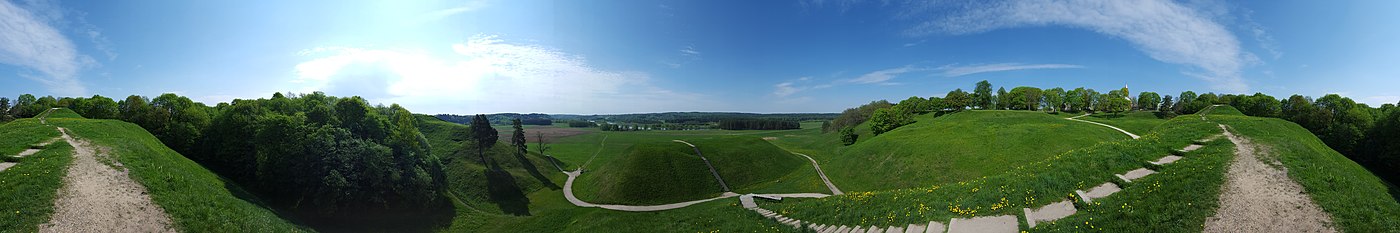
63, 113
499, 187
649, 174
752, 165
957, 147
27, 190
196, 199
1357, 200
1138, 122
1187, 189
1223, 110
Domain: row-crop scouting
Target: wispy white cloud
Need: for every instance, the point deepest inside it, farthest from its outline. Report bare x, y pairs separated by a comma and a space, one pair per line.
916, 43
28, 41
1377, 101
881, 76
955, 71
1164, 30
687, 55
448, 12
487, 74
785, 89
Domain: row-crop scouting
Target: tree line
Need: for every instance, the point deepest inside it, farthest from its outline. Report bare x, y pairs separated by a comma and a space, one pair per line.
758, 124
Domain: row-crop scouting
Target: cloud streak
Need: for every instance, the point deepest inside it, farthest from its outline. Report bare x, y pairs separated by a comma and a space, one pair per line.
51, 58
484, 75
882, 76
1164, 30
956, 71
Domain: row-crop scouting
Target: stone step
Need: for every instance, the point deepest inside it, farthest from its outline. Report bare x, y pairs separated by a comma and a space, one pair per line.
6, 165
27, 152
894, 230
914, 228
1103, 190
1135, 174
934, 227
1002, 223
1191, 147
1166, 160
843, 229
1047, 213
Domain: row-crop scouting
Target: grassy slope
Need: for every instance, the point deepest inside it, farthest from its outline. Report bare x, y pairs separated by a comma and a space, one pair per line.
1137, 122
27, 190
1357, 200
752, 165
196, 199
1035, 184
22, 133
955, 147
650, 174
482, 190
63, 113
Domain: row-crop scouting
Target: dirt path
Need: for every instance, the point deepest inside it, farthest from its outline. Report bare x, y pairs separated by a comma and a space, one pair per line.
829, 185
601, 145
1134, 136
98, 198
1259, 198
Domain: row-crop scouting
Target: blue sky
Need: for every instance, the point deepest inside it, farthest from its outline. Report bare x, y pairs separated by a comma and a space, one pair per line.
484, 56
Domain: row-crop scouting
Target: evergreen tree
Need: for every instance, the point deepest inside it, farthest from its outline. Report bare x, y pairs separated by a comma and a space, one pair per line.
483, 135
517, 138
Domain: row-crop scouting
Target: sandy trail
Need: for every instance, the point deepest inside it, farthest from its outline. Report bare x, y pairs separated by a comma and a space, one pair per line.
98, 198
1259, 198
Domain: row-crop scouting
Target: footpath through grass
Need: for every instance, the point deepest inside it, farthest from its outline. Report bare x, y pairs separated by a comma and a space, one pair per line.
196, 199
1357, 200
1136, 122
22, 133
1034, 184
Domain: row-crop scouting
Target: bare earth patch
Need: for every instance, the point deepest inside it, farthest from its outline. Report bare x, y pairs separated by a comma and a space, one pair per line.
550, 133
99, 198
1261, 198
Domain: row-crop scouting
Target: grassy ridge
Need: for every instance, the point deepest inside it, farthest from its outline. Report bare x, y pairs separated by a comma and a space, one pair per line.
955, 147
196, 199
27, 190
1357, 200
63, 113
1030, 184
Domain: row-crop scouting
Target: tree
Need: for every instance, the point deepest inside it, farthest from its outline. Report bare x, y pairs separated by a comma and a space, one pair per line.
982, 95
1003, 100
913, 104
1148, 100
1054, 99
483, 135
1087, 98
956, 99
540, 145
854, 116
1166, 104
848, 136
99, 107
517, 138
1074, 99
887, 119
1183, 100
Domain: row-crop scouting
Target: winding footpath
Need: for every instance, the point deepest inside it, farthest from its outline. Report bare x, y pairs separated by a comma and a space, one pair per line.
1258, 197
1134, 136
746, 199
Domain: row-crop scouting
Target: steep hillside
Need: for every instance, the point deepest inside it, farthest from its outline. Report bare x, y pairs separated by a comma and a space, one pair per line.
650, 174
477, 188
958, 147
29, 185
752, 165
195, 198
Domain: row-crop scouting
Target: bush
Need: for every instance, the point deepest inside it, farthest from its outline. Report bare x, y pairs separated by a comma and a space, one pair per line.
849, 136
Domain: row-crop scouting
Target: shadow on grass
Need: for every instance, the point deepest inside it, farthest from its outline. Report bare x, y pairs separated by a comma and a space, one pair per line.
505, 192
535, 172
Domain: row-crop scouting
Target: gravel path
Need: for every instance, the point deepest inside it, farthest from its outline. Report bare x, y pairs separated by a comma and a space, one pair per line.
1259, 198
1134, 136
98, 198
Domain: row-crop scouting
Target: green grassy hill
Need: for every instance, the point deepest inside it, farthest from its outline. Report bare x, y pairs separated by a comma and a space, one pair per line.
650, 174
752, 165
955, 147
195, 198
27, 190
477, 189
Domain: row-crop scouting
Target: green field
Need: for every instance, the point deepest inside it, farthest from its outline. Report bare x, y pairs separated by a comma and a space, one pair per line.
1137, 122
195, 198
